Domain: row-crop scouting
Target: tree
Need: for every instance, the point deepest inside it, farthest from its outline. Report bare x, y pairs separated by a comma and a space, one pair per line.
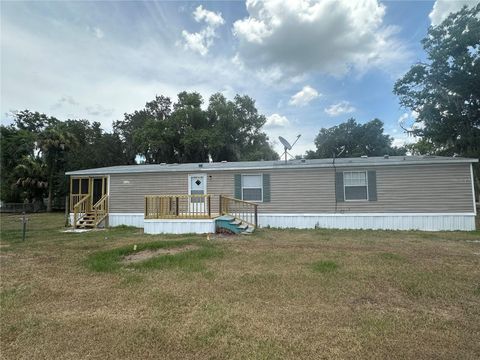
190, 127
31, 175
15, 145
93, 147
33, 121
227, 130
134, 131
445, 91
53, 142
236, 130
350, 139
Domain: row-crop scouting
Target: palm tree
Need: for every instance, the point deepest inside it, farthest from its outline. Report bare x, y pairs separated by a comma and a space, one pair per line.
31, 176
53, 142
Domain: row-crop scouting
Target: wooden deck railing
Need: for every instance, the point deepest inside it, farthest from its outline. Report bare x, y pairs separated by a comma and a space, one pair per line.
240, 209
177, 207
80, 209
75, 199
100, 209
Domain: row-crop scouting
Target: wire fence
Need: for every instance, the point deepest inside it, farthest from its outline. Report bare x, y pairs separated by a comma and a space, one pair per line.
19, 208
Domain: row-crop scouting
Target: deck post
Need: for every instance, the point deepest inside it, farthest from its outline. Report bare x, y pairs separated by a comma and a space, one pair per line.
146, 207
208, 204
256, 215
220, 212
176, 206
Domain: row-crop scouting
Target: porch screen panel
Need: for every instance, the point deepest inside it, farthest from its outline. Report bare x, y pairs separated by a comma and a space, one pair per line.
97, 190
75, 186
84, 186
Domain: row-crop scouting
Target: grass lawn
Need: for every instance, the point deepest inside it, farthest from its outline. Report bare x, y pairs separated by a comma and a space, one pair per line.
307, 294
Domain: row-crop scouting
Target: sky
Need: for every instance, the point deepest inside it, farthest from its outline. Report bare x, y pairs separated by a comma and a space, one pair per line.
308, 64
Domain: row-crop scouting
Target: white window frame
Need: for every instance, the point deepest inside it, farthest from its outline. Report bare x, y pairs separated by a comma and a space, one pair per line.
344, 186
261, 186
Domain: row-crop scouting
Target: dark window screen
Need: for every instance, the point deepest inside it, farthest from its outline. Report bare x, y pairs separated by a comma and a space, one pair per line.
75, 186
84, 186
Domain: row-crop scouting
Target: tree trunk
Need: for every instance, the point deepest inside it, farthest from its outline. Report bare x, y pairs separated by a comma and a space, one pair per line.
50, 193
50, 198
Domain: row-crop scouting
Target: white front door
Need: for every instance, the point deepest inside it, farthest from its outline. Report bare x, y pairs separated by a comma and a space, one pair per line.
197, 185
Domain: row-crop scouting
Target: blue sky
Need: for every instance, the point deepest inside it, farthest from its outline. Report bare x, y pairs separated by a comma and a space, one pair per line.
308, 64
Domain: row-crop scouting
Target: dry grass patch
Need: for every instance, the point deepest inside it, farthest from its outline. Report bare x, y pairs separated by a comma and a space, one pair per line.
139, 256
389, 294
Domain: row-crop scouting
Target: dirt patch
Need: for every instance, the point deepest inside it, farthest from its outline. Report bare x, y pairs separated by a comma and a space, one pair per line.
148, 254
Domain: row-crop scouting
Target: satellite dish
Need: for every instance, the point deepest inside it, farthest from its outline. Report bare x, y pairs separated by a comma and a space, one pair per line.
285, 143
287, 146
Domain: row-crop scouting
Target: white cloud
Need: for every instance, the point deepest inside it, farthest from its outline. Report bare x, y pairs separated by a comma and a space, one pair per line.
101, 83
329, 36
442, 8
276, 121
343, 107
403, 139
98, 33
304, 96
201, 41
211, 18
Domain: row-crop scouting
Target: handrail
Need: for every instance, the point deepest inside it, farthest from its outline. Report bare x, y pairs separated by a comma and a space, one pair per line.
245, 211
80, 209
178, 206
100, 209
102, 199
75, 199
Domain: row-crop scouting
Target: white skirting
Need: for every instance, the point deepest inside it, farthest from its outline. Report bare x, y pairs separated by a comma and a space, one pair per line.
129, 219
179, 226
385, 221
374, 221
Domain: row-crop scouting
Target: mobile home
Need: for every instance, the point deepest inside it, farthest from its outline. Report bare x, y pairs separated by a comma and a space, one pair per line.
397, 192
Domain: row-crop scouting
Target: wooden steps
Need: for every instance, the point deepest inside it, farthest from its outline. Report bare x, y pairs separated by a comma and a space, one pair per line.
87, 221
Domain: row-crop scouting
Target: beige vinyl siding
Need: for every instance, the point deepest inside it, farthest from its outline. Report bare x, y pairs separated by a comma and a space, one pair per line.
409, 188
127, 191
418, 188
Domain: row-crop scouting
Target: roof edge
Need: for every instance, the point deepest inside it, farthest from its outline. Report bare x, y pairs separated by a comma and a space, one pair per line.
110, 170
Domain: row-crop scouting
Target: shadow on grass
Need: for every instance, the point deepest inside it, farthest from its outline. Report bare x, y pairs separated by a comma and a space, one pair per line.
191, 260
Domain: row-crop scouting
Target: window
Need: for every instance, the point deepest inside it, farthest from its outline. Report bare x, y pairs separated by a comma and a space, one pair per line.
252, 187
355, 185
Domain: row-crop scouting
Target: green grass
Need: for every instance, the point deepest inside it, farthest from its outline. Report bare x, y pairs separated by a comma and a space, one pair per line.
325, 266
190, 260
